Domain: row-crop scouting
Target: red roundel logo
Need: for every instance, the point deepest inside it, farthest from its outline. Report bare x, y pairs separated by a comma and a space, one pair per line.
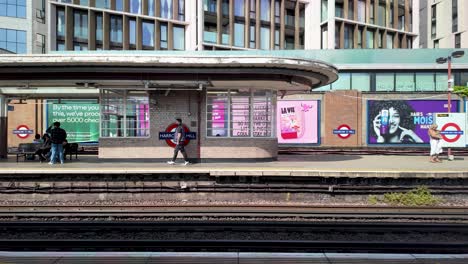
444, 136
19, 131
172, 129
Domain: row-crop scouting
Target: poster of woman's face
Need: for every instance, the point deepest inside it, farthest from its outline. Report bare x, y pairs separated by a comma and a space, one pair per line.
402, 121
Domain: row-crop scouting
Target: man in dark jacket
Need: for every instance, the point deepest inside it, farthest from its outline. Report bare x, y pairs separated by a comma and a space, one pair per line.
57, 137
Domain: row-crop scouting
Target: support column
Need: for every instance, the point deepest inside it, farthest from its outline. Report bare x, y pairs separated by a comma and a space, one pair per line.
3, 127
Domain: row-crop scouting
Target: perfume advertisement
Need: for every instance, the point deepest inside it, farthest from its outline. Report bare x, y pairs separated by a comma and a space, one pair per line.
297, 122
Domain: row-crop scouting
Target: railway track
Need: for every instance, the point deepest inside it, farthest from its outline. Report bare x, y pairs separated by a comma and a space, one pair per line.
235, 212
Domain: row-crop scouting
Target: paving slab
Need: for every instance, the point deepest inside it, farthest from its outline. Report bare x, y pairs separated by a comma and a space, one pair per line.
310, 165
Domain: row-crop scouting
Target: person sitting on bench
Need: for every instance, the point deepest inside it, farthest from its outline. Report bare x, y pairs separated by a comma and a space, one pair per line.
45, 148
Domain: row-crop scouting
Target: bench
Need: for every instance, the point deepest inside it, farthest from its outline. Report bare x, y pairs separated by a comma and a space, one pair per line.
25, 149
73, 150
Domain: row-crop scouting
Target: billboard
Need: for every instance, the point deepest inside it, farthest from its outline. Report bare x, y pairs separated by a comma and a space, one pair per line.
297, 122
402, 121
80, 120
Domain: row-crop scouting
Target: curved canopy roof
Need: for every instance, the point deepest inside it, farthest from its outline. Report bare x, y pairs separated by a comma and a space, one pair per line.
160, 71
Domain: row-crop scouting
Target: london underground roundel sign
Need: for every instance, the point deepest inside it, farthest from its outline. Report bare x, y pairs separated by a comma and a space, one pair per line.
451, 132
344, 131
23, 131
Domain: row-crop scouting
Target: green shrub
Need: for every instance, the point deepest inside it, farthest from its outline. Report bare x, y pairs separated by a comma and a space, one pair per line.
420, 196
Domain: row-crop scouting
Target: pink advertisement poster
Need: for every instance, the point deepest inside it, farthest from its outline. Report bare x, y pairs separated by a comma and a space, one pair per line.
297, 122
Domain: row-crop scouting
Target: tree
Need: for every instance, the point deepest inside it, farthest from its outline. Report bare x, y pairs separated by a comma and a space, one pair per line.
462, 91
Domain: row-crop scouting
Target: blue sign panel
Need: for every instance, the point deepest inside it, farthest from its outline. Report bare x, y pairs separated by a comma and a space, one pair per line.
25, 131
343, 131
170, 135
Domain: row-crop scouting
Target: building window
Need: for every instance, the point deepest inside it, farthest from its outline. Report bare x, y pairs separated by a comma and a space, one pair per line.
404, 82
277, 39
225, 8
253, 9
82, 2
384, 82
135, 6
148, 35
99, 32
116, 30
124, 114
239, 35
225, 34
454, 16
382, 15
132, 33
441, 81
339, 9
78, 46
240, 114
390, 39
179, 37
289, 42
343, 82
360, 82
41, 42
436, 44
323, 11
60, 45
361, 9
372, 12
119, 5
209, 6
13, 40
60, 24
370, 39
13, 8
277, 11
252, 37
434, 21
165, 9
458, 41
239, 8
425, 82
265, 10
151, 8
351, 10
163, 36
105, 4
264, 38
289, 17
348, 36
80, 25
181, 9
210, 33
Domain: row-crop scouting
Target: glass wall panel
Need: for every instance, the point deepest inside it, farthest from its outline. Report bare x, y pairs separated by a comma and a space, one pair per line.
210, 33
405, 82
382, 15
119, 5
252, 37
60, 23
182, 10
209, 6
361, 9
151, 8
135, 6
165, 9
324, 10
99, 32
264, 38
13, 40
384, 82
163, 36
265, 10
239, 35
80, 25
441, 81
137, 114
116, 29
179, 38
13, 8
390, 41
360, 82
102, 4
132, 32
343, 82
240, 115
425, 81
148, 34
348, 36
370, 39
239, 8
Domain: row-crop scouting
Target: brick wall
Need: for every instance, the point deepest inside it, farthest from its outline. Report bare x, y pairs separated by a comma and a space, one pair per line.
184, 104
29, 114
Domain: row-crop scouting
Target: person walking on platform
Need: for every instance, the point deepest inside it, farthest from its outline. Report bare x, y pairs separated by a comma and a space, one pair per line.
179, 137
57, 137
436, 143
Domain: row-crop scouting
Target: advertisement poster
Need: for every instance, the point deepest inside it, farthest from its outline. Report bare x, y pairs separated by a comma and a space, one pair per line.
219, 127
297, 122
80, 120
402, 121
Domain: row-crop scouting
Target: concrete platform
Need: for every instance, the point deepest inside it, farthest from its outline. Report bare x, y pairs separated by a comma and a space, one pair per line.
287, 165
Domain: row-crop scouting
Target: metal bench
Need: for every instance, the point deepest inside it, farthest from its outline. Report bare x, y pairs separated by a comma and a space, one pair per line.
25, 149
